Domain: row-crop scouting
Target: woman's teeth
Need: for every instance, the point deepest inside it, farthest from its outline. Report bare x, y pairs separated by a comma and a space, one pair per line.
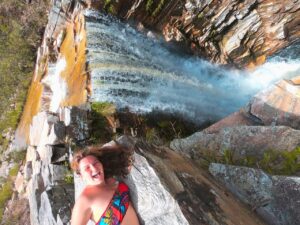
96, 175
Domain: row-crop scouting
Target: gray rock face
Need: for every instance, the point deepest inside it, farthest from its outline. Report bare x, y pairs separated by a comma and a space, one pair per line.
242, 141
275, 198
158, 171
50, 194
148, 193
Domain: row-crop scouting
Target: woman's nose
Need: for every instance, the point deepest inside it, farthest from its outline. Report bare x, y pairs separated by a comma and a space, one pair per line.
93, 168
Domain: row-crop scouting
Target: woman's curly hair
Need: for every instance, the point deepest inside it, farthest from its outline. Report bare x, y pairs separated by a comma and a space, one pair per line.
116, 159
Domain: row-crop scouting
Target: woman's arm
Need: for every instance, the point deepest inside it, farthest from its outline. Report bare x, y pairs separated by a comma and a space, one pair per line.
131, 217
81, 211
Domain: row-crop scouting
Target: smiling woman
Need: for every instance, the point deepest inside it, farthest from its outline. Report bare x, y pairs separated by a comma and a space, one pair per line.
104, 200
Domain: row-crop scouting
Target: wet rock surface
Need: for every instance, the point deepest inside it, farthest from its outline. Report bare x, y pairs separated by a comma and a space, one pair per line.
272, 197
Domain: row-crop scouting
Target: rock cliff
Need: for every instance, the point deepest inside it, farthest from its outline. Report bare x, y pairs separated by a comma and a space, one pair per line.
166, 186
273, 197
258, 136
225, 32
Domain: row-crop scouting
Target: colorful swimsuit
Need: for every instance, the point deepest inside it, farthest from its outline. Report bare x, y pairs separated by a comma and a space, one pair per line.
116, 209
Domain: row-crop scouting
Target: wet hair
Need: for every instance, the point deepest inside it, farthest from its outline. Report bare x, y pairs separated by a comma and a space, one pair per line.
116, 159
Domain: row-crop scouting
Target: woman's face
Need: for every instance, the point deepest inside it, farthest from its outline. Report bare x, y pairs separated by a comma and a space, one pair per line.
91, 170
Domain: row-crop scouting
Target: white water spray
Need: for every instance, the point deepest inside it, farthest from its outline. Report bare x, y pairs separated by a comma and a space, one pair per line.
134, 71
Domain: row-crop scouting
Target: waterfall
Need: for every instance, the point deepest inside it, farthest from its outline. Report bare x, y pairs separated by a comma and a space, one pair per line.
143, 74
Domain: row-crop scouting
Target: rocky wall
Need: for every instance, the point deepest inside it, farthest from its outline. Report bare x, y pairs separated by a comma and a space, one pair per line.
166, 187
275, 198
240, 33
55, 117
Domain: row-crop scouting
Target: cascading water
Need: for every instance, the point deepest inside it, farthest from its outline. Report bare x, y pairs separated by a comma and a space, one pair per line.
141, 73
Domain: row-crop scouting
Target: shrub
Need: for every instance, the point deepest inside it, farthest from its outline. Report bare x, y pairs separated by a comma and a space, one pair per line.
99, 124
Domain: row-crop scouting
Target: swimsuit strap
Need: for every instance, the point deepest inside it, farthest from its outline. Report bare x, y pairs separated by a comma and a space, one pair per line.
116, 209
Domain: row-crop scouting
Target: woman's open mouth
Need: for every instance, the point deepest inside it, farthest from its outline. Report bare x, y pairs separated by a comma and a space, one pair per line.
97, 175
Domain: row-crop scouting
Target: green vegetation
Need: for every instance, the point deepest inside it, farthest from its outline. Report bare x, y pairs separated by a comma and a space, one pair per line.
14, 171
200, 16
149, 5
228, 156
281, 163
5, 194
7, 189
272, 162
109, 6
68, 177
17, 156
157, 127
152, 136
158, 8
153, 11
100, 128
21, 27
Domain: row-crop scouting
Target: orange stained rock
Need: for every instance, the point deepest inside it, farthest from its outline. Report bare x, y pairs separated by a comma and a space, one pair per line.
286, 102
296, 80
258, 61
75, 74
297, 106
31, 108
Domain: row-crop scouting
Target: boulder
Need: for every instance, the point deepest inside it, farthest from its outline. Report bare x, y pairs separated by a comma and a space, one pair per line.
278, 105
148, 193
241, 141
275, 198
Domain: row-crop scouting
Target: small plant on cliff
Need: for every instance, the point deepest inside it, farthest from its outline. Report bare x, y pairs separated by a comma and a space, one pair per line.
6, 190
5, 194
149, 5
14, 171
100, 112
17, 156
68, 174
158, 8
291, 163
152, 136
279, 163
200, 16
228, 156
109, 6
107, 3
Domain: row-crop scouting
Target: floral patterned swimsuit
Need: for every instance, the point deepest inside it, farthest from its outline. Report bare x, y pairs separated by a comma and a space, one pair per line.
116, 209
